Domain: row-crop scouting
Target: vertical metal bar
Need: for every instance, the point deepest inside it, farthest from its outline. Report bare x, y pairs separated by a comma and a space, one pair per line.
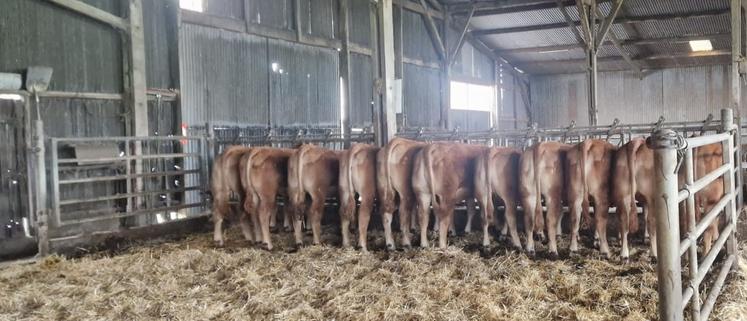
727, 122
56, 183
663, 142
693, 250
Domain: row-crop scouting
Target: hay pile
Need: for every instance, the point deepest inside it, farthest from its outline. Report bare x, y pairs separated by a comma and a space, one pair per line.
189, 279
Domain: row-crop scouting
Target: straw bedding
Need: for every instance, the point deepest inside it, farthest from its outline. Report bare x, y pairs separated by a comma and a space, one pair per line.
189, 279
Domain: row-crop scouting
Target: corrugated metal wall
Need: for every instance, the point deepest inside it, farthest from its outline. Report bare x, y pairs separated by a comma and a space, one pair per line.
224, 77
86, 57
227, 78
677, 94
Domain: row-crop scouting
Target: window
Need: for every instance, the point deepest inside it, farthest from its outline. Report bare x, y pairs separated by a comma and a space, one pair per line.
468, 96
193, 5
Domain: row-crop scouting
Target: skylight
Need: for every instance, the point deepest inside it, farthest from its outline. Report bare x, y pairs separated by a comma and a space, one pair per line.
701, 45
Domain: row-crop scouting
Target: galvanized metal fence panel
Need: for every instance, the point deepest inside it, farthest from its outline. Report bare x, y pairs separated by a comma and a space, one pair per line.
157, 189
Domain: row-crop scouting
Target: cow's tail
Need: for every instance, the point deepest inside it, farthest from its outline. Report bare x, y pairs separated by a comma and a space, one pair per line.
428, 163
536, 155
349, 168
631, 151
249, 201
298, 193
385, 169
585, 147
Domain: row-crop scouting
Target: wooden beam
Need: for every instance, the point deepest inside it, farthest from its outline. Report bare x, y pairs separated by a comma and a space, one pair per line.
256, 29
430, 25
93, 13
569, 22
616, 42
414, 7
607, 42
583, 13
460, 41
607, 24
297, 19
386, 62
618, 20
421, 63
679, 55
138, 94
344, 66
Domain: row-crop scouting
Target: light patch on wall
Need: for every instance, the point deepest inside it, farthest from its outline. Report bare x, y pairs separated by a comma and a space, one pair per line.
11, 97
701, 45
192, 5
466, 96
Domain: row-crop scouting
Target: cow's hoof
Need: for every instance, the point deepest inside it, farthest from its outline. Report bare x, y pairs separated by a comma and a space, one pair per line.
220, 244
502, 238
391, 247
273, 229
287, 229
407, 247
299, 245
625, 260
554, 256
531, 254
265, 246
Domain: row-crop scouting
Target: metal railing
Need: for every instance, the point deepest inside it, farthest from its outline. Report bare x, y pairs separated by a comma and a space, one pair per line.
142, 175
670, 247
616, 133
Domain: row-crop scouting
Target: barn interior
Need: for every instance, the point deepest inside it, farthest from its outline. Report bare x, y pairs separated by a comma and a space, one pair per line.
112, 113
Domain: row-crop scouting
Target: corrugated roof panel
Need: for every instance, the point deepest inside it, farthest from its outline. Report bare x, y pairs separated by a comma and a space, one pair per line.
647, 7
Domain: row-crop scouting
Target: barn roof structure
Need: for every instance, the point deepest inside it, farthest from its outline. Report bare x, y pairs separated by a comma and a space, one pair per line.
546, 36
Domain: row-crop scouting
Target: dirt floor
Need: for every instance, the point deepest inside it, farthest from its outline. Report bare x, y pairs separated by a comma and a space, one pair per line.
190, 279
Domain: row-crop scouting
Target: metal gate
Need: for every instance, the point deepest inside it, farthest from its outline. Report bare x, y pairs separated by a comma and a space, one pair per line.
15, 235
701, 271
104, 184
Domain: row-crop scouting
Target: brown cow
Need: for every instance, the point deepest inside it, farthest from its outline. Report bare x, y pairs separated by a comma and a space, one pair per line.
443, 174
394, 164
588, 175
357, 176
633, 179
312, 171
264, 176
225, 185
542, 175
497, 173
707, 159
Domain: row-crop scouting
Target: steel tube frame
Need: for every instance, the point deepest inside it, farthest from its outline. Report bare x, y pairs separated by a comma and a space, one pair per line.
665, 145
133, 192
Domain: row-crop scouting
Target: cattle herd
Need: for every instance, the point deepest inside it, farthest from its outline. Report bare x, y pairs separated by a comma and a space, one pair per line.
412, 178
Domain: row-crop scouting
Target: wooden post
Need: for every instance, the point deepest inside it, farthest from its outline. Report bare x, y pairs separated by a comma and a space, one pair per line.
446, 77
344, 70
667, 237
386, 69
137, 94
730, 211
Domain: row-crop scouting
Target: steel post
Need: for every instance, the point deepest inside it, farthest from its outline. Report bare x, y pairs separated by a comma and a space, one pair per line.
664, 143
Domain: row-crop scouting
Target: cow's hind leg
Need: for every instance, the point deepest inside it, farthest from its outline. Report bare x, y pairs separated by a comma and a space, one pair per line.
601, 212
424, 203
315, 214
364, 216
470, 215
267, 207
405, 217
